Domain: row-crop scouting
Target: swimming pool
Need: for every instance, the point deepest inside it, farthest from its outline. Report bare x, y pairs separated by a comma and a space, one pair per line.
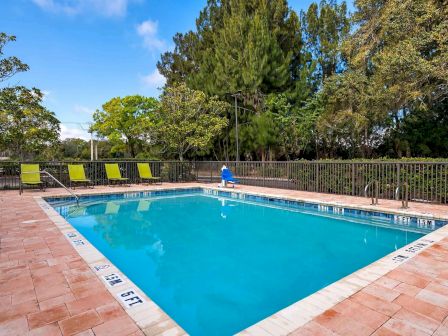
218, 262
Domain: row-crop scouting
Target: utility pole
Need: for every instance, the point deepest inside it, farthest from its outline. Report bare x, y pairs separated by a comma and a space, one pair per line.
236, 129
91, 147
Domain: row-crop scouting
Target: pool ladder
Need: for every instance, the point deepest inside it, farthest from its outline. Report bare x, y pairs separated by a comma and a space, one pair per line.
404, 201
375, 193
61, 184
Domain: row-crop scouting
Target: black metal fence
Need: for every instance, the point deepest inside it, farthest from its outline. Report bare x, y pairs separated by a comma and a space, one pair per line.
427, 181
169, 171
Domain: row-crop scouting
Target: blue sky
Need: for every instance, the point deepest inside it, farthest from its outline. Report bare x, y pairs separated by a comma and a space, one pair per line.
82, 53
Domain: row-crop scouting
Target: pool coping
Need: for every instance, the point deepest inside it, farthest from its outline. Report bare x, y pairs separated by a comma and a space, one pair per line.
283, 321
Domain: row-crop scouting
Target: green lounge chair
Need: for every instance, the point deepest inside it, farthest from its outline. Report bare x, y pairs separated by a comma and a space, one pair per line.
30, 175
113, 173
144, 170
77, 174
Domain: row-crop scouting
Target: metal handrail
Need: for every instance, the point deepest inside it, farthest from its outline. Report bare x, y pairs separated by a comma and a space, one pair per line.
376, 192
404, 201
62, 185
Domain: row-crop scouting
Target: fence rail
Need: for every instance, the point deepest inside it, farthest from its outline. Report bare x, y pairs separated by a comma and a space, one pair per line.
427, 181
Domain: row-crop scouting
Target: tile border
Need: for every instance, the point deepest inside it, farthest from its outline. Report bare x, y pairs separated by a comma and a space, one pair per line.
282, 322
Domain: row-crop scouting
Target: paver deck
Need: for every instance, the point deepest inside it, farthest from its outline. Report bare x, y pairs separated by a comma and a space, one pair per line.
46, 288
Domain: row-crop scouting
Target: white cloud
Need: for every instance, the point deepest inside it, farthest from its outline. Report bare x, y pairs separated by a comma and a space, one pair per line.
148, 31
79, 109
74, 7
154, 79
73, 131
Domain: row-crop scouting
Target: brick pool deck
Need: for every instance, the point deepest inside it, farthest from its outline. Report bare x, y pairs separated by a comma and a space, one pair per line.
46, 287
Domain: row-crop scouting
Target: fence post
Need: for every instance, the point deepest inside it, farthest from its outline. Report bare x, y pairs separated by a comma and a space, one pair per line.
317, 177
211, 172
353, 179
263, 172
398, 180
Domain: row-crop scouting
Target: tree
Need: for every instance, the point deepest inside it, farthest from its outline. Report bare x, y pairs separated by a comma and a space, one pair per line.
126, 122
11, 65
248, 46
188, 120
260, 49
26, 127
295, 124
325, 27
396, 69
74, 148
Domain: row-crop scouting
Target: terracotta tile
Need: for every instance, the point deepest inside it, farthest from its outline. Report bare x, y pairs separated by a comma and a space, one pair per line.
437, 288
15, 311
16, 285
5, 301
80, 322
116, 327
28, 295
408, 277
44, 317
90, 302
434, 298
88, 332
110, 311
74, 277
340, 324
47, 292
14, 327
375, 303
404, 328
312, 329
418, 321
361, 314
54, 278
383, 331
441, 331
56, 301
381, 292
422, 307
387, 282
410, 290
46, 330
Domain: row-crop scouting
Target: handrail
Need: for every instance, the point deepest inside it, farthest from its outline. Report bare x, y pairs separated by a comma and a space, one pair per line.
404, 201
376, 192
63, 186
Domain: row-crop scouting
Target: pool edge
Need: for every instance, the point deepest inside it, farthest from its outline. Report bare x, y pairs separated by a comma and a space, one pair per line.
299, 313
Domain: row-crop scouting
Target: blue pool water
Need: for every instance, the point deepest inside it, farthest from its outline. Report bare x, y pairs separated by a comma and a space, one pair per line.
218, 265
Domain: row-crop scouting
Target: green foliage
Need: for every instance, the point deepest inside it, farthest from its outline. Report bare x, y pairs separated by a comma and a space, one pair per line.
396, 79
325, 27
260, 49
126, 122
27, 129
188, 120
248, 46
11, 65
